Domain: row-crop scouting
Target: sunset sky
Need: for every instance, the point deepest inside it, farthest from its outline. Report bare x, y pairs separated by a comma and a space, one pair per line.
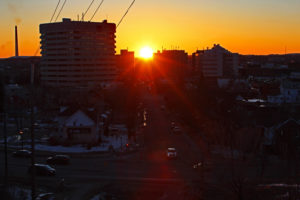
243, 26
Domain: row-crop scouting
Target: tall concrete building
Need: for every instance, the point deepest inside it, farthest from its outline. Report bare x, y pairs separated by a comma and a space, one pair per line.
125, 64
171, 65
77, 53
216, 62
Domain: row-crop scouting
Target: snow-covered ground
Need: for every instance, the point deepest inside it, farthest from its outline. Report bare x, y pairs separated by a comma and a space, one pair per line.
117, 142
226, 152
16, 192
98, 197
102, 196
22, 193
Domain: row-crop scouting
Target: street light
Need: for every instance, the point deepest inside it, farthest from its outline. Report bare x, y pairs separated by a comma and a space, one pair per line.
21, 134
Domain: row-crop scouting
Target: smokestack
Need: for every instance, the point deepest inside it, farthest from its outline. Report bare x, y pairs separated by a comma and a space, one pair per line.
16, 41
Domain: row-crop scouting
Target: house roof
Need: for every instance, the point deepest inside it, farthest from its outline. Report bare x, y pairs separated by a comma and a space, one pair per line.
271, 117
91, 113
270, 132
79, 118
288, 122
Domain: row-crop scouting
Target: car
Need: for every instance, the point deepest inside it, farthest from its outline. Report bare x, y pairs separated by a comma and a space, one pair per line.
59, 159
42, 170
23, 153
45, 196
173, 124
171, 153
176, 130
197, 165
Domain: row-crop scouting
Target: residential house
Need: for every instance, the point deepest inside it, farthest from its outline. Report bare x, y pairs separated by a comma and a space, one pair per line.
283, 139
289, 92
78, 126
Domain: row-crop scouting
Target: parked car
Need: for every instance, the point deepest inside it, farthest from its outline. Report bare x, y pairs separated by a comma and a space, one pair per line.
42, 170
171, 153
173, 124
59, 159
176, 130
45, 196
23, 153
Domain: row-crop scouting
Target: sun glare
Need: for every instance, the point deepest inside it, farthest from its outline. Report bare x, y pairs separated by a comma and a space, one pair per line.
146, 52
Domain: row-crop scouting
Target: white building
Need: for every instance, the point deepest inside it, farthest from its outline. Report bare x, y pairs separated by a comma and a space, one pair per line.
216, 62
289, 91
78, 126
77, 53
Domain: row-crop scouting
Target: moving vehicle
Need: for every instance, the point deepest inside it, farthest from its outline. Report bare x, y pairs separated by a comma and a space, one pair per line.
197, 165
59, 159
45, 196
171, 153
42, 170
23, 153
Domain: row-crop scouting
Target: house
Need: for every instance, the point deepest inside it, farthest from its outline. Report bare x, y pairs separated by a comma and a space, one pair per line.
289, 91
283, 139
78, 125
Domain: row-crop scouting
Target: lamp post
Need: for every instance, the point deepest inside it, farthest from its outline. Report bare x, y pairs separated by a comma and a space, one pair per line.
22, 140
33, 179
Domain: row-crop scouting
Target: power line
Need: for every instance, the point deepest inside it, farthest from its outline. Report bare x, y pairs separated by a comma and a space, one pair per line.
96, 10
38, 48
126, 13
60, 10
87, 10
55, 11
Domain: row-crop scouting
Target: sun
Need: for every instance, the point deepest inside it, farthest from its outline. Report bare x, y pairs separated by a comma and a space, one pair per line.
146, 52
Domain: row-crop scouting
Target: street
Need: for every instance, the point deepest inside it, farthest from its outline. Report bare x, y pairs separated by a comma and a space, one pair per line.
149, 165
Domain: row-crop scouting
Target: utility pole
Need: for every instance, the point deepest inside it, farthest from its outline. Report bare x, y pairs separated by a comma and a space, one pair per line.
5, 151
3, 110
33, 188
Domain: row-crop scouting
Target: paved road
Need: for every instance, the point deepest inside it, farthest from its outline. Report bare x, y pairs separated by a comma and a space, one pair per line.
149, 165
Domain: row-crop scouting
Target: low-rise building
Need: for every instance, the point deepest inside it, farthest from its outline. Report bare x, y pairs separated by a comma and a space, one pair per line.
289, 91
125, 64
284, 138
78, 126
171, 65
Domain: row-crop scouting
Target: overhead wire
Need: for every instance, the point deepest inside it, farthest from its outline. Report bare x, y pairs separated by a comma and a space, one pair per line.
125, 13
60, 10
38, 48
96, 10
87, 10
55, 11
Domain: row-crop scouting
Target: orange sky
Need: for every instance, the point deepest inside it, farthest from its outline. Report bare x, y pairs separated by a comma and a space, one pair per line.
256, 27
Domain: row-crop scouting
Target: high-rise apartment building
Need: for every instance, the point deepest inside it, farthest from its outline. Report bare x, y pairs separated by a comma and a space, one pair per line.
77, 53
